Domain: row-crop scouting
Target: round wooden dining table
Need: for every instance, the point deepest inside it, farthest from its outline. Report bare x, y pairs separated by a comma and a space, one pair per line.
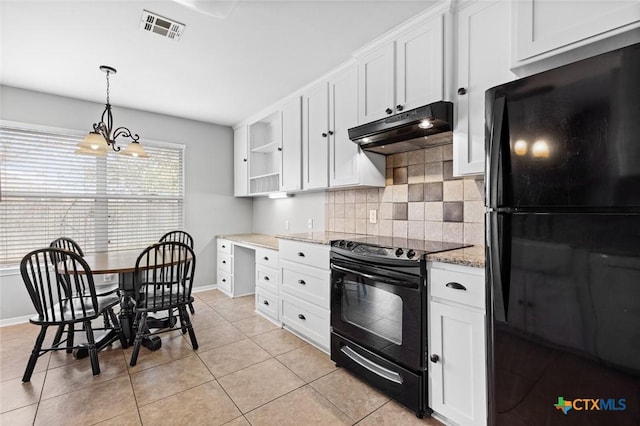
123, 263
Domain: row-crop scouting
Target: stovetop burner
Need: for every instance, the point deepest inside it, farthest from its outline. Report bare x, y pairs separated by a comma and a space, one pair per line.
395, 248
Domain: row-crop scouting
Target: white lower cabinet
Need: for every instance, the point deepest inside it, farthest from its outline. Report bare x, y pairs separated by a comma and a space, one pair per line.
305, 288
457, 354
224, 265
267, 304
309, 320
267, 284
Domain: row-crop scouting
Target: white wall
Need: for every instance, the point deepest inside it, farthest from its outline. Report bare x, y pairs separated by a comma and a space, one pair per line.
269, 215
210, 206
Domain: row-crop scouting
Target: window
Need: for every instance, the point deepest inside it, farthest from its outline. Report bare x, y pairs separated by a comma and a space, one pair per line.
104, 203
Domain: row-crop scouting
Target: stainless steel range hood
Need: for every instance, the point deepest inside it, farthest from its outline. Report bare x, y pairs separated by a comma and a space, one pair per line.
419, 128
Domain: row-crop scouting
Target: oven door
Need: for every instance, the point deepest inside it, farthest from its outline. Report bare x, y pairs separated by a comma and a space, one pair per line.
379, 309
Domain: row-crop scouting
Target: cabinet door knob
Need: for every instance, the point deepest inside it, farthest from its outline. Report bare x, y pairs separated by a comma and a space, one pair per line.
324, 135
266, 258
224, 280
434, 358
399, 107
244, 159
301, 254
301, 282
223, 246
279, 149
224, 261
301, 317
462, 91
455, 286
266, 278
388, 110
266, 302
330, 132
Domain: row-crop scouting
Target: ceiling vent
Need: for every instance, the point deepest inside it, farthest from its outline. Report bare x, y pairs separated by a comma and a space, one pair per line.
160, 25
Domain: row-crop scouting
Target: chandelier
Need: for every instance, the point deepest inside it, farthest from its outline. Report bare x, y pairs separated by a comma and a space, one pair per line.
104, 135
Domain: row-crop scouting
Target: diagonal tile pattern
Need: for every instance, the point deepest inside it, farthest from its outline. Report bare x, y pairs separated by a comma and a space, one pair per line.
247, 372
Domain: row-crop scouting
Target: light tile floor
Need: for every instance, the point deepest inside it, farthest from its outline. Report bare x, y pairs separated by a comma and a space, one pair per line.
247, 371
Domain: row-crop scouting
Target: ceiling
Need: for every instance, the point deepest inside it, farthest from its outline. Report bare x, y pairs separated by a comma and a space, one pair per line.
232, 60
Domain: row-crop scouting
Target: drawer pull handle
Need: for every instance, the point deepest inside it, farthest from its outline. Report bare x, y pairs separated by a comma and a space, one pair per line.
266, 258
266, 278
301, 317
266, 302
301, 282
455, 286
301, 254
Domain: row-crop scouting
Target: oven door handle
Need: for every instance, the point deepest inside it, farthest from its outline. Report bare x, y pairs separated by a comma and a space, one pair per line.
379, 370
380, 278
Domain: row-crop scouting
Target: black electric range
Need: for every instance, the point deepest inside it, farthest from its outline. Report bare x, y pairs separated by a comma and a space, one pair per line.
379, 313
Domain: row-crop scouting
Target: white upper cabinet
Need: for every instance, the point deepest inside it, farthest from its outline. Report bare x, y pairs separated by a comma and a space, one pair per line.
377, 80
315, 137
420, 56
543, 28
483, 50
240, 162
348, 164
404, 73
291, 173
343, 153
265, 147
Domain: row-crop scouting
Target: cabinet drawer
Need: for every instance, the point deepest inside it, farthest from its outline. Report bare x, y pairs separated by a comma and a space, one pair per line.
306, 253
224, 246
308, 320
267, 257
267, 303
267, 278
310, 284
446, 284
225, 282
224, 263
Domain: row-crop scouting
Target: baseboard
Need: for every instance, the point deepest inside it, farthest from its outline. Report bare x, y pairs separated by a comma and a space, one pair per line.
204, 288
15, 320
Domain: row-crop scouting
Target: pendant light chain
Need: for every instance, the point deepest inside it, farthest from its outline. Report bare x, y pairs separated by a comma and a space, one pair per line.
108, 86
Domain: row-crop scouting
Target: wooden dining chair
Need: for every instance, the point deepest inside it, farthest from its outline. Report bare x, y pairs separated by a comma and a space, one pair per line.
163, 279
60, 285
67, 243
182, 237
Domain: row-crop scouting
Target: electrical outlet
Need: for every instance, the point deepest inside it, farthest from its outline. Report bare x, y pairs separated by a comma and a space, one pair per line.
286, 225
310, 224
372, 216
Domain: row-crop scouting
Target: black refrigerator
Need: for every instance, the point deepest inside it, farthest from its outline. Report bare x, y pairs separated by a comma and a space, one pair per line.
563, 244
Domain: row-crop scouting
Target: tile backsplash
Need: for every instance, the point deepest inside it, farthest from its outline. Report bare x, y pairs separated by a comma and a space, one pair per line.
421, 199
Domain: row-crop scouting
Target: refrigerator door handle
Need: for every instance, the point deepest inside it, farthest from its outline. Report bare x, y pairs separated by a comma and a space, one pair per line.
494, 267
494, 168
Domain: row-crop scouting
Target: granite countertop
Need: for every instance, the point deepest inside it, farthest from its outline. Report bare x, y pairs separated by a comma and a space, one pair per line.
259, 240
468, 256
320, 237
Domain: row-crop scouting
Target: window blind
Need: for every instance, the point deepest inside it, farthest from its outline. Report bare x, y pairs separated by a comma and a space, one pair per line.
104, 203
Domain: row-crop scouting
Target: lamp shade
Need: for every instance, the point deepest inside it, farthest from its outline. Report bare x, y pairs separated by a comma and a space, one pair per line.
94, 142
89, 151
135, 150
